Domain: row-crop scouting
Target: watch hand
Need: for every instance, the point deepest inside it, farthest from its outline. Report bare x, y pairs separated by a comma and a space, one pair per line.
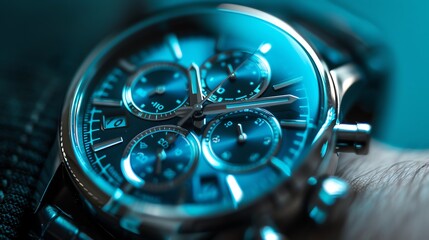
161, 155
195, 95
224, 107
199, 106
158, 90
231, 72
242, 137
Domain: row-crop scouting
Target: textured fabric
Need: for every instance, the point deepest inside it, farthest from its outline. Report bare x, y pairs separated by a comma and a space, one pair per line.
41, 46
30, 102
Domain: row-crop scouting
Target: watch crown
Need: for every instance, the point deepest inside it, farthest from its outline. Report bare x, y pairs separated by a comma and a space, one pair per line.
353, 138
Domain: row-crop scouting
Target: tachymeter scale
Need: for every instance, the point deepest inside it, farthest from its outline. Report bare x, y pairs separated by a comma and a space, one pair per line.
156, 90
249, 75
242, 140
159, 158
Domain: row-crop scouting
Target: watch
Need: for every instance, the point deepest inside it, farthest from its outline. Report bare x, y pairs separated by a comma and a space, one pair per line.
209, 120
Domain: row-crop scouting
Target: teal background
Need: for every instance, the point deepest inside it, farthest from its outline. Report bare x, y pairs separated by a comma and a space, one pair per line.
403, 119
51, 29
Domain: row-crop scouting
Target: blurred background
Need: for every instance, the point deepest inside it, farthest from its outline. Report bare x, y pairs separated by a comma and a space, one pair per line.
42, 44
404, 120
43, 33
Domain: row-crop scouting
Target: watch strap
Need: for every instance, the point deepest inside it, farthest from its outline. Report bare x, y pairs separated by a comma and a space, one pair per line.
333, 45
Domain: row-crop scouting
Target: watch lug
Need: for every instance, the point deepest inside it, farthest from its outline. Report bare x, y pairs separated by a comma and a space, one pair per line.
52, 188
56, 225
353, 138
348, 81
47, 173
327, 193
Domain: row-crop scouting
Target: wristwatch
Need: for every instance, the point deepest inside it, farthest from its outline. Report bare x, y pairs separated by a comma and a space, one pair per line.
210, 121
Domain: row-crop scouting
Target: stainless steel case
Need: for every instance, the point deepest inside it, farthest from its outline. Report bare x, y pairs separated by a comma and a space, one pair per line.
282, 204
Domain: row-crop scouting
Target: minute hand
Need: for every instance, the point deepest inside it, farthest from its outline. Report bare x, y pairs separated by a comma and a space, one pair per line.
224, 107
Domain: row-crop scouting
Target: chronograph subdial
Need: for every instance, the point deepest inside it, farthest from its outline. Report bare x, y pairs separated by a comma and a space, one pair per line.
160, 158
248, 76
157, 90
242, 140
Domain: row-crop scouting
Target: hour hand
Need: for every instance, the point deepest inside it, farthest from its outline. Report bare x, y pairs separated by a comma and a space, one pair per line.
224, 107
195, 94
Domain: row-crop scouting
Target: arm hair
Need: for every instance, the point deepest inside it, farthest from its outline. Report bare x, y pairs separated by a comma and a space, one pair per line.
391, 194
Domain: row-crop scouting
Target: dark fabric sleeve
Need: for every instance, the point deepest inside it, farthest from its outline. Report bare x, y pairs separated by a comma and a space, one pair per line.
41, 46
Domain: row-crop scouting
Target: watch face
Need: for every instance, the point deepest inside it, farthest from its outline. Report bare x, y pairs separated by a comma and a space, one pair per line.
140, 128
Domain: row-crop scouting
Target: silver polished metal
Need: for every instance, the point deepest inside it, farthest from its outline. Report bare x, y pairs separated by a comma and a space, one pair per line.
225, 107
106, 144
126, 65
173, 43
294, 123
57, 225
326, 195
115, 205
287, 83
195, 93
347, 78
107, 102
353, 138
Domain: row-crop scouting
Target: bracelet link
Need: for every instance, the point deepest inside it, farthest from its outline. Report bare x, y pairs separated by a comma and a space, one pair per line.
57, 225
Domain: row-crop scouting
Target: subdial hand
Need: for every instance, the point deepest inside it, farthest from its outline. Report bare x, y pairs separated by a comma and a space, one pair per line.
242, 136
198, 106
160, 156
190, 111
159, 90
231, 72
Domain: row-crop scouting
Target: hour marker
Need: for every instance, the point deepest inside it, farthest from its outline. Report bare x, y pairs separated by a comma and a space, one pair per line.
264, 48
126, 65
106, 102
235, 189
220, 43
299, 124
287, 83
173, 43
106, 144
281, 166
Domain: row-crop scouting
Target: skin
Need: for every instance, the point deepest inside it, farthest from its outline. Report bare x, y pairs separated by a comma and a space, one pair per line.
390, 197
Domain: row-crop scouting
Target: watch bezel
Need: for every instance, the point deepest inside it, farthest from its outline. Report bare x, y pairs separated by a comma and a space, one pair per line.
103, 198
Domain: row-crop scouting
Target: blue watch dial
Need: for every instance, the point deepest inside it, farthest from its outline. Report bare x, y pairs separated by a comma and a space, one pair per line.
157, 90
160, 157
199, 112
249, 75
242, 140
